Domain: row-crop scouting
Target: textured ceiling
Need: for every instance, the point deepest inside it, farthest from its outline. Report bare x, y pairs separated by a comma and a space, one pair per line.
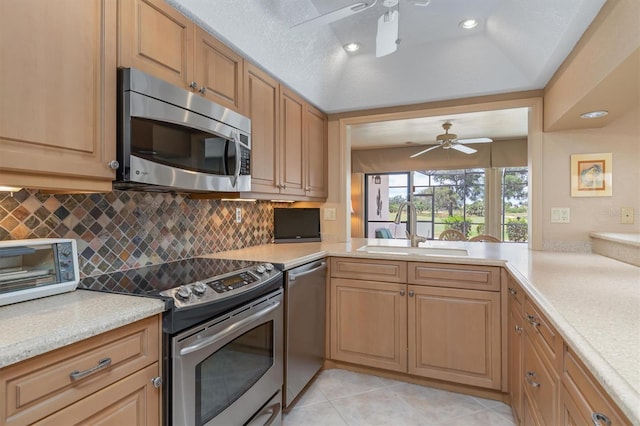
517, 46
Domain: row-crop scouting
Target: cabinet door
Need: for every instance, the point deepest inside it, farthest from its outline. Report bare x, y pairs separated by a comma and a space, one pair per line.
369, 323
262, 105
454, 335
514, 337
218, 71
131, 401
157, 39
291, 138
316, 153
57, 94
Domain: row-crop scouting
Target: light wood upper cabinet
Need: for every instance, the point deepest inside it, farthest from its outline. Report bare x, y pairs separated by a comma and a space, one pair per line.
218, 71
315, 152
157, 39
291, 143
454, 335
58, 94
262, 103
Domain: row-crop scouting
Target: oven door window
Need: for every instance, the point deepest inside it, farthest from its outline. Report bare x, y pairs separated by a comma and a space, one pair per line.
228, 373
182, 147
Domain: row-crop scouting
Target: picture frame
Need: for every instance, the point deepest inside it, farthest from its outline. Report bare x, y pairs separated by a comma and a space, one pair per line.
591, 175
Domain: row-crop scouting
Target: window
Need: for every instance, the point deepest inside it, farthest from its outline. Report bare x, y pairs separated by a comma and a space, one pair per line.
447, 199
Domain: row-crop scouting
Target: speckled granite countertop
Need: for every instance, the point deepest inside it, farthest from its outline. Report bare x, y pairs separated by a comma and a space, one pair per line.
32, 328
593, 301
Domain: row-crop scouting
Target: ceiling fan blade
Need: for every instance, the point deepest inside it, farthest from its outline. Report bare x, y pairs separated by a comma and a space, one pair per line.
463, 148
423, 151
387, 33
475, 140
334, 15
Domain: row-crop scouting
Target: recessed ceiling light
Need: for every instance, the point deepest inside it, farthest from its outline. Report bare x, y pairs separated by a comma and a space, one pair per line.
467, 24
352, 47
594, 114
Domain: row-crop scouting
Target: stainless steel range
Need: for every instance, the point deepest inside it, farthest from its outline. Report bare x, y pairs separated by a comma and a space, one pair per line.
223, 337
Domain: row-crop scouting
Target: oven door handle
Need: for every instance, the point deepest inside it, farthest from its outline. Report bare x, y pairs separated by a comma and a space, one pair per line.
228, 330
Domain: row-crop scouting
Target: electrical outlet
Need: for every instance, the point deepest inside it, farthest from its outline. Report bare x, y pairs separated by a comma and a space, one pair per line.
238, 215
626, 215
560, 214
330, 213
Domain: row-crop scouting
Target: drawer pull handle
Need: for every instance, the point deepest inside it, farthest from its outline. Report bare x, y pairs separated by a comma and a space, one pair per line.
518, 329
531, 375
512, 291
103, 363
600, 419
533, 320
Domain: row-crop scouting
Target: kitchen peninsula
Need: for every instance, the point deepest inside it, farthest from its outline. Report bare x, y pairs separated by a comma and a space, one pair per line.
592, 301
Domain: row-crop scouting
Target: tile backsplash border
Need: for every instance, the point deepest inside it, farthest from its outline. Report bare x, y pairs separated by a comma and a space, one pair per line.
122, 230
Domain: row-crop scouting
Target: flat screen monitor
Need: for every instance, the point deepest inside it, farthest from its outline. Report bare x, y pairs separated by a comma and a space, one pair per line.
296, 225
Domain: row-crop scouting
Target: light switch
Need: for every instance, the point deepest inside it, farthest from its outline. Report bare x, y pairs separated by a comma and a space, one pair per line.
560, 214
626, 215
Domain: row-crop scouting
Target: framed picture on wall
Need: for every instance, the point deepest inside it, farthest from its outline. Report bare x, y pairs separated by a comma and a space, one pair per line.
591, 175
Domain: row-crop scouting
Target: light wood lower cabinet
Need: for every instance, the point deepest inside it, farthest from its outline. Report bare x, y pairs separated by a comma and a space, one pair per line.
443, 333
369, 323
454, 335
107, 376
58, 94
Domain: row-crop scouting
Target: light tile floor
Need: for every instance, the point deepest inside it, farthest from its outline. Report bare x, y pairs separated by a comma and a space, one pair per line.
339, 398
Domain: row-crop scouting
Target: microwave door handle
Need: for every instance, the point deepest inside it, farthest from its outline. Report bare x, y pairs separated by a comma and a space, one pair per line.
236, 175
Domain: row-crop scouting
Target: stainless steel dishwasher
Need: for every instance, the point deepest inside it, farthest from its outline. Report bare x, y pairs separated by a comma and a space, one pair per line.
304, 326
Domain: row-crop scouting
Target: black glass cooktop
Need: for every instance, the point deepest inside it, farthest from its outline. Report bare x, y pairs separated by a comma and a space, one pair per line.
151, 280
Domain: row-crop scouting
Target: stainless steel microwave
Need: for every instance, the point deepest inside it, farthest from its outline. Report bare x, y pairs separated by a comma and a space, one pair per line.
171, 139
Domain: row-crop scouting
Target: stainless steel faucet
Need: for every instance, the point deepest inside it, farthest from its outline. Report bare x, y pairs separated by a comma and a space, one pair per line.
412, 233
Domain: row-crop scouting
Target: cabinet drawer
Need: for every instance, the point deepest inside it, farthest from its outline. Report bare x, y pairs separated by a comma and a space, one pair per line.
369, 269
43, 385
540, 384
587, 395
130, 401
471, 277
542, 334
516, 294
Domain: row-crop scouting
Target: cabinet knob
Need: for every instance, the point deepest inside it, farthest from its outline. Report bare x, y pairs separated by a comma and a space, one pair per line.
156, 382
203, 90
113, 164
529, 378
401, 292
512, 291
600, 419
307, 189
518, 329
193, 85
283, 186
411, 293
533, 320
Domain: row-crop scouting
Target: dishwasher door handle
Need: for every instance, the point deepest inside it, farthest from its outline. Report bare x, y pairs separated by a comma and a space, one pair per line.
321, 266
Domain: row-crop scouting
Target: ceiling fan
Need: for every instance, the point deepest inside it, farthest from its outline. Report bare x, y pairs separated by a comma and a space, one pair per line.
450, 141
387, 36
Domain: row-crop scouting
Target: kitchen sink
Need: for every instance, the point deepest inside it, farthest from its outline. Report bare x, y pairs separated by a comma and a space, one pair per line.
423, 251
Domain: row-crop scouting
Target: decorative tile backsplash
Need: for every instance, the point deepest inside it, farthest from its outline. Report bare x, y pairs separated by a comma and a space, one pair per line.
122, 230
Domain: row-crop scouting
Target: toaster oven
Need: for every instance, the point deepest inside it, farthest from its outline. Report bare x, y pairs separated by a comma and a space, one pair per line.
35, 268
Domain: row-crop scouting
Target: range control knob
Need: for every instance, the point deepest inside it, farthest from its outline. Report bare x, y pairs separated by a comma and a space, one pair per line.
268, 267
260, 269
183, 292
199, 288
